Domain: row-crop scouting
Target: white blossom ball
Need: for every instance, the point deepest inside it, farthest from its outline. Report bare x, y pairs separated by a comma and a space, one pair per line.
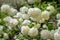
34, 13
58, 16
24, 9
7, 19
45, 34
58, 23
5, 35
25, 30
30, 1
26, 22
45, 14
13, 22
56, 36
5, 8
52, 34
18, 15
12, 12
33, 32
51, 8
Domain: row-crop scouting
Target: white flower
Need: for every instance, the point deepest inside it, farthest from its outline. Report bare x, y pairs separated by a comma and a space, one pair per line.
18, 15
6, 35
35, 14
25, 16
45, 34
58, 16
23, 9
30, 1
45, 14
56, 36
13, 22
5, 8
58, 23
26, 22
33, 32
52, 34
25, 30
12, 12
51, 8
7, 19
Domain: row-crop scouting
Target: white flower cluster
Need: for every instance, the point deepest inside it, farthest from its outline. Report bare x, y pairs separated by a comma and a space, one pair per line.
7, 9
50, 8
27, 16
25, 30
46, 34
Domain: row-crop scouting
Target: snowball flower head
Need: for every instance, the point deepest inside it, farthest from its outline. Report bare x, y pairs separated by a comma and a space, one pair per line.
33, 32
51, 8
34, 13
13, 22
58, 23
7, 19
56, 36
26, 22
58, 16
24, 9
5, 8
45, 34
30, 1
25, 30
45, 14
12, 12
6, 35
18, 15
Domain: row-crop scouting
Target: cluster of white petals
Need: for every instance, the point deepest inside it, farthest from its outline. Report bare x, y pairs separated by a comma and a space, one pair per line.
46, 34
25, 30
34, 13
10, 21
58, 16
26, 22
24, 9
5, 8
33, 32
50, 8
12, 12
57, 34
45, 15
30, 1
